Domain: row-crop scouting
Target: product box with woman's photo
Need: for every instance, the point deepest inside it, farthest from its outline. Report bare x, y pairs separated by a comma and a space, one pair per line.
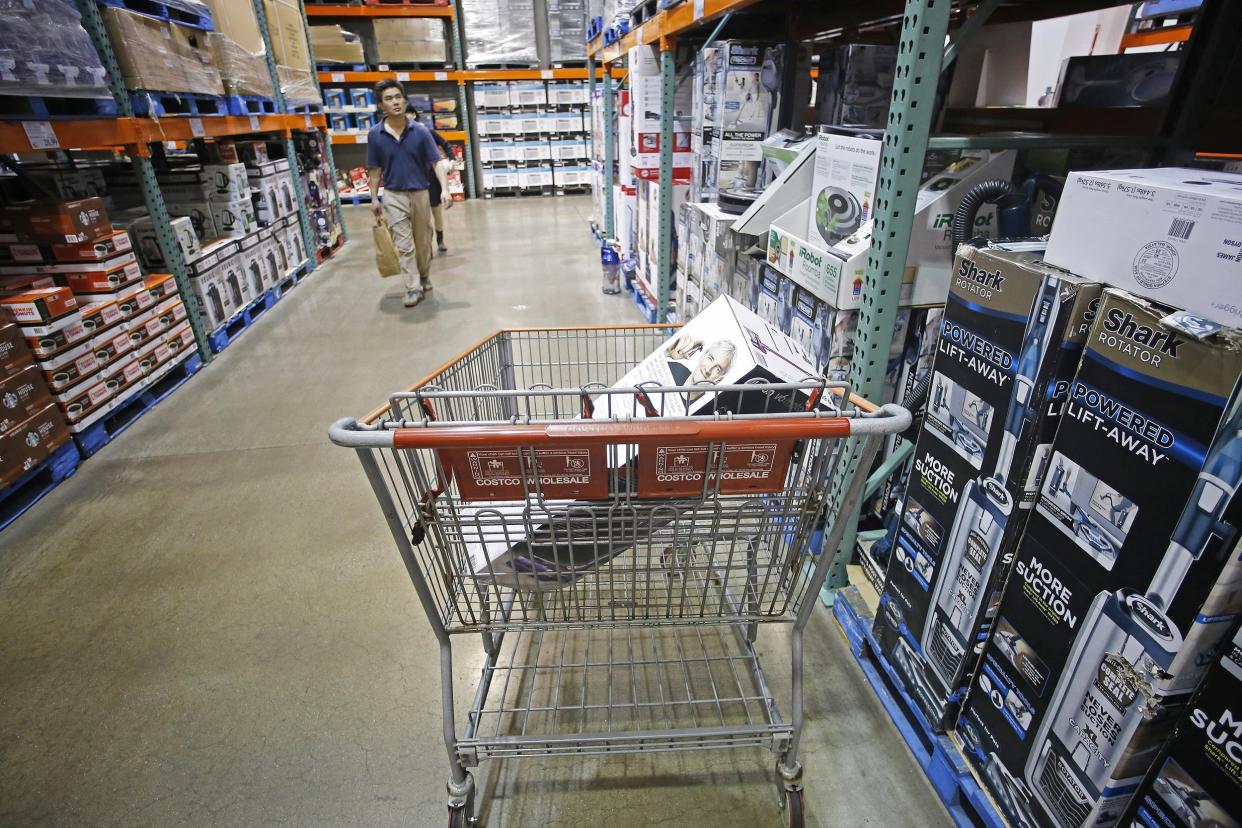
532, 542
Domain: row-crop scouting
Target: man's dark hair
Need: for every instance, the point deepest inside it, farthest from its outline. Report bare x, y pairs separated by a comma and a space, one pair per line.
386, 84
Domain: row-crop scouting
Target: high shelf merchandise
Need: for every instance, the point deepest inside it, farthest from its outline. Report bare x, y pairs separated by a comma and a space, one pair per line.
135, 247
923, 101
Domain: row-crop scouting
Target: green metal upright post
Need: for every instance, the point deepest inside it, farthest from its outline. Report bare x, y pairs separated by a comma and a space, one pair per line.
591, 95
664, 250
919, 58
92, 21
459, 61
610, 140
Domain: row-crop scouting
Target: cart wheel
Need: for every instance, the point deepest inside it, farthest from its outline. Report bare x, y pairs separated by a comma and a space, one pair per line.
793, 809
458, 818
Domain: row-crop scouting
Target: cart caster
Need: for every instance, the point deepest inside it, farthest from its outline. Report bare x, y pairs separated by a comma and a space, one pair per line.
461, 805
794, 814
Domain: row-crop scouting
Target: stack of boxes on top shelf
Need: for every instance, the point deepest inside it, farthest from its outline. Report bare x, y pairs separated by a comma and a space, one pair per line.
236, 222
533, 137
567, 30
99, 330
48, 54
382, 43
499, 33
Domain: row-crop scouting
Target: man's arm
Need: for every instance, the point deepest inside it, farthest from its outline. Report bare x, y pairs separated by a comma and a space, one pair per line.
445, 149
373, 179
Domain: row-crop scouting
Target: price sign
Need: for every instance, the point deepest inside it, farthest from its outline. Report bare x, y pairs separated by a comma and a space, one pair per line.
403, 76
360, 138
441, 75
338, 77
40, 135
546, 74
308, 122
196, 127
254, 123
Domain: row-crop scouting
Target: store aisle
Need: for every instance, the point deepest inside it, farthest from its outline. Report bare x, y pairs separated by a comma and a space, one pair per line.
209, 625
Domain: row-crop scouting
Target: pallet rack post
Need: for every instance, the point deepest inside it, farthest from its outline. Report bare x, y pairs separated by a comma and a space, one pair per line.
459, 62
92, 21
925, 25
590, 67
664, 241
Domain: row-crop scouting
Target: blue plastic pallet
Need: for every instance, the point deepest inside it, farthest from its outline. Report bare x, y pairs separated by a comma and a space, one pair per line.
158, 104
292, 279
171, 11
941, 761
249, 105
32, 486
224, 336
24, 107
104, 431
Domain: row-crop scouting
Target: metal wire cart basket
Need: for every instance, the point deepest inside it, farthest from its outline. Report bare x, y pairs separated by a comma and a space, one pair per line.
615, 568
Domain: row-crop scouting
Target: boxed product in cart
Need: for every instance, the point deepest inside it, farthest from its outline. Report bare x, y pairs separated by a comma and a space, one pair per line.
1127, 578
1198, 778
22, 394
724, 344
31, 442
1010, 339
1171, 234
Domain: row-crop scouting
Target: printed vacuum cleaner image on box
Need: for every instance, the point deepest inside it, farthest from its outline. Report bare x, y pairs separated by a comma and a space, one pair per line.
724, 361
1197, 781
1095, 654
1010, 339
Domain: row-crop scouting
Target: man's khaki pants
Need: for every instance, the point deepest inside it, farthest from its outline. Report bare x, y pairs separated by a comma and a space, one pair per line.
409, 216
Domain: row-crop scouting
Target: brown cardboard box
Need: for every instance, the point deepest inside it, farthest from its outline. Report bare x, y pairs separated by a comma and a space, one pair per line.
97, 277
93, 251
21, 395
236, 20
287, 29
31, 442
39, 306
396, 29
98, 317
242, 72
14, 353
68, 368
332, 44
160, 56
161, 285
62, 222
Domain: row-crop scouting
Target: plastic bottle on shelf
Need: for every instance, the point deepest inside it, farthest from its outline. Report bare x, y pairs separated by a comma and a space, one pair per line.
611, 263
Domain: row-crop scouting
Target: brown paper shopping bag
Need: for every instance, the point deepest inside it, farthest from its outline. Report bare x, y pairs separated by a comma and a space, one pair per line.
387, 260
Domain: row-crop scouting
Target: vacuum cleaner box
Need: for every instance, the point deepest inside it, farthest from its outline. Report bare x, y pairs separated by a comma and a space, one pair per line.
1197, 780
1170, 234
1010, 338
1127, 578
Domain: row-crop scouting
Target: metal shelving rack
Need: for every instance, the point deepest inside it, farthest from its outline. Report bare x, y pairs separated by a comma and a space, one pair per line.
923, 28
137, 135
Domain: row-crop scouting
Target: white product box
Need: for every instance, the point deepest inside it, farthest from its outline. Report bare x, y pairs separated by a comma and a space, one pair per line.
234, 218
530, 151
1170, 234
495, 152
645, 90
571, 176
142, 234
254, 282
535, 178
215, 277
625, 200
567, 94
835, 273
843, 187
228, 180
713, 245
492, 124
491, 95
527, 93
268, 206
528, 124
199, 214
502, 179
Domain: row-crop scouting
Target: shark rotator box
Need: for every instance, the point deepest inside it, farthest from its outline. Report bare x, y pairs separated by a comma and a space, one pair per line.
1127, 579
1011, 335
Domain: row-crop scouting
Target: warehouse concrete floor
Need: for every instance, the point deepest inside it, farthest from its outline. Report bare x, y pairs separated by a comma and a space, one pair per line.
209, 624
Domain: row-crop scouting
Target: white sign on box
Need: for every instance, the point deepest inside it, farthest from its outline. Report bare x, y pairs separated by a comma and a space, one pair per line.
1170, 234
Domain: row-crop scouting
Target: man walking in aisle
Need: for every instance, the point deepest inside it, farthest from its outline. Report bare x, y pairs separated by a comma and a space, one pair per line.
402, 152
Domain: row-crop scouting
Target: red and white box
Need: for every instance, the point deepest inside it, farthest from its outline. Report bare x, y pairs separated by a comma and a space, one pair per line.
39, 306
69, 367
98, 250
54, 337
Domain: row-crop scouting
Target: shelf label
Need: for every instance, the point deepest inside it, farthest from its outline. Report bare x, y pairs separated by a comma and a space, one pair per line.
546, 74
360, 139
698, 9
338, 77
254, 123
196, 127
403, 76
308, 123
441, 75
40, 135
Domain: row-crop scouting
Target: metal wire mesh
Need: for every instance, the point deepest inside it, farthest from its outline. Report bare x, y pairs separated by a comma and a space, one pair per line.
621, 559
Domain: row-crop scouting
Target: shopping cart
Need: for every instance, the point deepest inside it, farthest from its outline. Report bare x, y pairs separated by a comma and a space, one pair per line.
616, 568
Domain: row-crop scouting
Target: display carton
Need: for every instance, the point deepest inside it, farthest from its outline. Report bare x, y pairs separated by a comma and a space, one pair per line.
30, 443
22, 394
14, 354
1127, 578
1010, 339
843, 187
1170, 234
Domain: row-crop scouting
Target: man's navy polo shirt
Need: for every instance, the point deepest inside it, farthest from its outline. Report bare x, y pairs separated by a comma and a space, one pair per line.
404, 163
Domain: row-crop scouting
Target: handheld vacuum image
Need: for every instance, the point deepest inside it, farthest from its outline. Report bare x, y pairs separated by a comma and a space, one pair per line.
986, 509
1087, 737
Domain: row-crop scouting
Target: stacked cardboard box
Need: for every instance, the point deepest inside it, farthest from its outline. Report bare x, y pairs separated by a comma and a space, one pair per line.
31, 426
238, 49
286, 26
499, 32
533, 136
157, 55
98, 330
410, 40
567, 30
333, 44
47, 52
